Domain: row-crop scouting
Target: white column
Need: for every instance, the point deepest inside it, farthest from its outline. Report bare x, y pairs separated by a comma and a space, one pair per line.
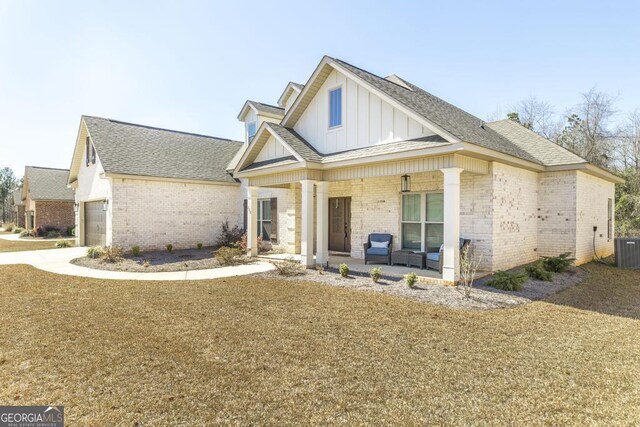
306, 238
451, 253
252, 225
322, 211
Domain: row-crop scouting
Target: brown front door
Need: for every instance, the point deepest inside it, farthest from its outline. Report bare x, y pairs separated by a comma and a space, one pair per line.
340, 224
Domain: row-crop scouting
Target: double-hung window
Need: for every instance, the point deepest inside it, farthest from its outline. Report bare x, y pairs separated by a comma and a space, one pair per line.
251, 130
335, 107
422, 221
264, 219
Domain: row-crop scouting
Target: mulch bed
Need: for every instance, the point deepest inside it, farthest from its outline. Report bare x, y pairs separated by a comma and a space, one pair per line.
482, 297
158, 261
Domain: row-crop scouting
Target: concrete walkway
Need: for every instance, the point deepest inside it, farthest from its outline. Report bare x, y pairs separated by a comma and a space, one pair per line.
16, 237
57, 261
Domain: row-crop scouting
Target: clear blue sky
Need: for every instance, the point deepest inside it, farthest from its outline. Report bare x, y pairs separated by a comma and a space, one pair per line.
190, 65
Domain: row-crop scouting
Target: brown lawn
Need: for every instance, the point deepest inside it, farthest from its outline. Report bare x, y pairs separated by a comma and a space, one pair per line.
18, 246
256, 351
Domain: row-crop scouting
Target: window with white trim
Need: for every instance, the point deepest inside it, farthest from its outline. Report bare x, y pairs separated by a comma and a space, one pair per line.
264, 219
251, 130
422, 221
335, 107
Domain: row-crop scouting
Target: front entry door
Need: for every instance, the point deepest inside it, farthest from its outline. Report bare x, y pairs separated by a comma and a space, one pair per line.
340, 224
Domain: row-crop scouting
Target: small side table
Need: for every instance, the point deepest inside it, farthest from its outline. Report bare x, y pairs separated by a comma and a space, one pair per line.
417, 259
400, 257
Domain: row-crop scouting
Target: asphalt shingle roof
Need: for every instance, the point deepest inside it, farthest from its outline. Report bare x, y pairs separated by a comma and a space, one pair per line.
298, 143
48, 183
132, 149
547, 152
266, 108
457, 122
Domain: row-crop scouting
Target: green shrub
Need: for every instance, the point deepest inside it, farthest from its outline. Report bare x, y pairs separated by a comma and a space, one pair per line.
169, 247
227, 256
199, 245
71, 231
18, 230
95, 252
112, 254
411, 279
8, 228
63, 243
289, 267
508, 281
557, 264
376, 274
135, 251
344, 270
537, 272
53, 234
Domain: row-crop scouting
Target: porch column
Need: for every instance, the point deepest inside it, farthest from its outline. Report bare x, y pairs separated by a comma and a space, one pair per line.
252, 224
451, 252
306, 236
322, 211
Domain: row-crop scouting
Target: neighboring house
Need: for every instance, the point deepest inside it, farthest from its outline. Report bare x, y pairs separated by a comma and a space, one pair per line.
47, 200
358, 154
17, 206
143, 186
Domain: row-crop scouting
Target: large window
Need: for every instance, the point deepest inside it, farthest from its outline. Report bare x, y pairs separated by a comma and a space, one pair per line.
335, 107
422, 221
264, 219
251, 130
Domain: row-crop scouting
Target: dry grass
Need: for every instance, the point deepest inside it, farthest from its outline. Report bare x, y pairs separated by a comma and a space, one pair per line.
258, 351
19, 246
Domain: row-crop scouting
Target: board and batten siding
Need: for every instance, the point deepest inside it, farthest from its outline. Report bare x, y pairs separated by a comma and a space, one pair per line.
272, 150
366, 119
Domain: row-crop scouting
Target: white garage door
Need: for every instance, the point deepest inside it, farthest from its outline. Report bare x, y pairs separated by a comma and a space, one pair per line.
95, 224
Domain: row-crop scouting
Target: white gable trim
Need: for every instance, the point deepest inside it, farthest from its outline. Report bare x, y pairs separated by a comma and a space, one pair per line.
288, 120
282, 101
257, 144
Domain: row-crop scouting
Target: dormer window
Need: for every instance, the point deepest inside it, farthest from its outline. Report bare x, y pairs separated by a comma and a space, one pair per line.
251, 130
335, 107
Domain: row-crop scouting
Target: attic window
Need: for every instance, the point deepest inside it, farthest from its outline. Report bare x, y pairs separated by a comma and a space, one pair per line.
90, 152
251, 130
335, 107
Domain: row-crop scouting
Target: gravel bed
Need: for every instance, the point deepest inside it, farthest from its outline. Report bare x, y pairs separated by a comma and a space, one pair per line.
482, 297
159, 261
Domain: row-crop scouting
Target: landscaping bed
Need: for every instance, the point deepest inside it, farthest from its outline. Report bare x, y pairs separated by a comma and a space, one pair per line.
158, 261
482, 297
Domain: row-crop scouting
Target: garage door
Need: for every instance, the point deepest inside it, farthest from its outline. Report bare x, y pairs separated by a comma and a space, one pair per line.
95, 224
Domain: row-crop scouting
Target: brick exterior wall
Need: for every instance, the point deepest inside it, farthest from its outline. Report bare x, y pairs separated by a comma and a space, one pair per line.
18, 216
55, 214
557, 213
152, 214
591, 210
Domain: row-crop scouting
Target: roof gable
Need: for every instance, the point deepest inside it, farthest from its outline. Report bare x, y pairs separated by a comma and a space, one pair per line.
261, 108
288, 91
131, 149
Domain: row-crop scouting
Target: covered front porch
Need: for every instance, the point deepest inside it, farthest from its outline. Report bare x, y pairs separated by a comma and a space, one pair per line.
399, 204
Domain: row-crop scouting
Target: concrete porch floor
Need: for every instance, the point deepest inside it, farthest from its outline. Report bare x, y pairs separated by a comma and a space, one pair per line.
358, 266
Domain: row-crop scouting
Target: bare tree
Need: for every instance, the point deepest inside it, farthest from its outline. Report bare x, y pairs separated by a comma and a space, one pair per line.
588, 129
469, 263
537, 115
629, 141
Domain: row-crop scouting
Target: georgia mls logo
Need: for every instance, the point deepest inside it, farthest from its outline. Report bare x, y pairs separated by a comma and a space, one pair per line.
31, 416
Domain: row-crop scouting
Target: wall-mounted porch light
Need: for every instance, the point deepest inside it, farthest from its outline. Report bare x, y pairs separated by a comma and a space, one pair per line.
405, 183
76, 206
105, 205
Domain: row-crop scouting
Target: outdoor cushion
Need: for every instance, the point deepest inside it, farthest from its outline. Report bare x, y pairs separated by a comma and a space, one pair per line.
379, 237
378, 251
375, 244
433, 256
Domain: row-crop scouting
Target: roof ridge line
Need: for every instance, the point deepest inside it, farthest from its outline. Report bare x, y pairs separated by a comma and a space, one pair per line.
162, 129
47, 167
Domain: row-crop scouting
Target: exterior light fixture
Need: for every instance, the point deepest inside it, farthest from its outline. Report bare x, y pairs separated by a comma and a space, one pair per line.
105, 205
405, 183
76, 205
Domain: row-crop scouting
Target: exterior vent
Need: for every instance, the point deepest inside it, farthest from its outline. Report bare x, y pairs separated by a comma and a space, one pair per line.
627, 253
